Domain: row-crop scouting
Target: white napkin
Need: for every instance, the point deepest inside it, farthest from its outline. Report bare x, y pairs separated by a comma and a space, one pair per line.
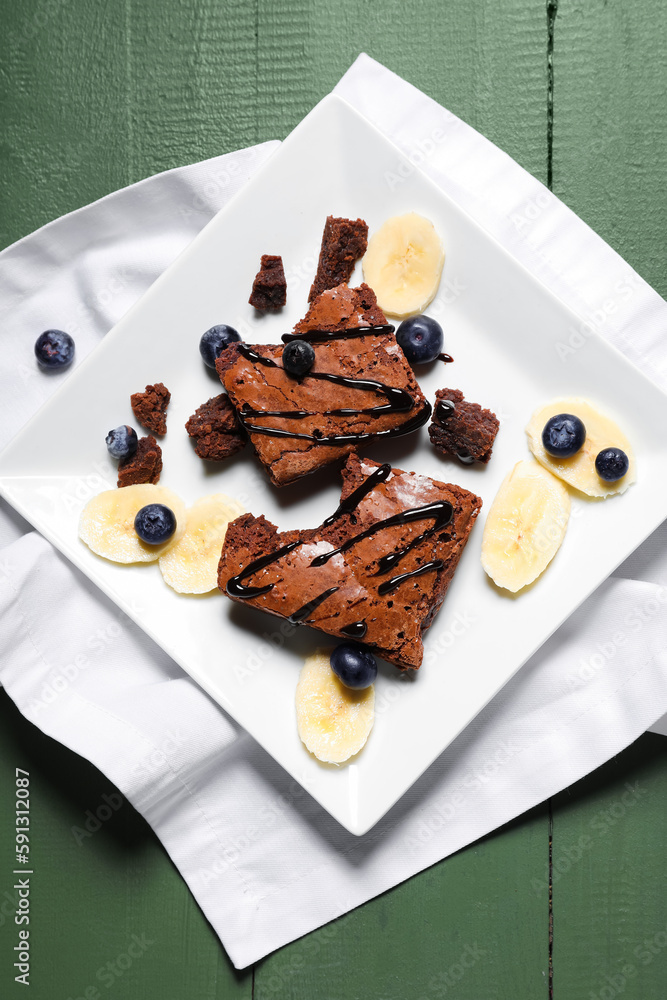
264, 861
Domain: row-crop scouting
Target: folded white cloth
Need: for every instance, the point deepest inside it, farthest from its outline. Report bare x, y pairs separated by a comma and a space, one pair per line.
264, 861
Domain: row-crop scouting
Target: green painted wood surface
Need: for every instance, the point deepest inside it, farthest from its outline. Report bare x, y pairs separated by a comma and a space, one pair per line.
456, 930
98, 889
610, 124
94, 96
610, 844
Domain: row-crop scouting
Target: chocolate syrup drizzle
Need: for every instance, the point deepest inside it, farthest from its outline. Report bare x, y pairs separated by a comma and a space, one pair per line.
444, 409
323, 336
299, 616
441, 511
355, 630
398, 400
396, 581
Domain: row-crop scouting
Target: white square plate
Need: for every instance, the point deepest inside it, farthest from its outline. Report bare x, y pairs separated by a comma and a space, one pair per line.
501, 326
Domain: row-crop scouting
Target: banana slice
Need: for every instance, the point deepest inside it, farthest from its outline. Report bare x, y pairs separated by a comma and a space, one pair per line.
579, 470
107, 523
191, 565
525, 526
403, 264
333, 721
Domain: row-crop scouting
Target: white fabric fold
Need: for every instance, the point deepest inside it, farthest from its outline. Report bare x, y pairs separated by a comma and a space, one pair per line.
264, 861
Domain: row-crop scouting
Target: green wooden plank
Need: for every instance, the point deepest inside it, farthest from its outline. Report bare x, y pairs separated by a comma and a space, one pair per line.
108, 911
63, 95
609, 147
610, 124
609, 904
484, 61
471, 926
95, 96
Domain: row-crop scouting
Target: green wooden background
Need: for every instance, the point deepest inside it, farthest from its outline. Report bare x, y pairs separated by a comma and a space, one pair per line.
95, 95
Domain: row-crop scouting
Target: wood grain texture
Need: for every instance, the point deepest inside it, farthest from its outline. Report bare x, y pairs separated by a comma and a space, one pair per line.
456, 930
101, 884
99, 95
63, 94
609, 849
610, 124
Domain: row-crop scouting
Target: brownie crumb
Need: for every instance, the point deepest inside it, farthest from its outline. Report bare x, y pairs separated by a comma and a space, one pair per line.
344, 241
269, 289
462, 429
144, 466
150, 407
215, 429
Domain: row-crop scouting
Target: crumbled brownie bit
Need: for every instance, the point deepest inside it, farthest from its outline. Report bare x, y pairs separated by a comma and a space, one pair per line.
344, 241
215, 429
388, 607
144, 466
150, 407
461, 429
269, 289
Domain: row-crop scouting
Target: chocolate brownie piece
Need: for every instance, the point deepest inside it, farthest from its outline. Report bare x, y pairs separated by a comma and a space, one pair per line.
461, 429
215, 429
144, 466
150, 407
376, 571
341, 308
269, 289
344, 241
360, 388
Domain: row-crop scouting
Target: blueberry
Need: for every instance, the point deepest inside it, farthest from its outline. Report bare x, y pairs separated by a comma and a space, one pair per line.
122, 441
214, 341
54, 349
611, 464
354, 666
155, 523
298, 357
563, 435
421, 339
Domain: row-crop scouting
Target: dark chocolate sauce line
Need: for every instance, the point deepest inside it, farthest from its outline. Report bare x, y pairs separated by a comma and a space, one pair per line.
441, 511
235, 586
355, 630
388, 562
340, 439
300, 616
444, 409
324, 336
447, 358
373, 411
396, 581
351, 502
398, 401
